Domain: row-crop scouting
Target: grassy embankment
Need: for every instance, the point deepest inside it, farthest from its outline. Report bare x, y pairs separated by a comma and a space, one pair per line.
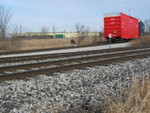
137, 98
33, 44
144, 41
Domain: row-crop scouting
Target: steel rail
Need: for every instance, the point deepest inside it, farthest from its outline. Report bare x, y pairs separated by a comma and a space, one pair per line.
66, 67
46, 56
52, 56
70, 60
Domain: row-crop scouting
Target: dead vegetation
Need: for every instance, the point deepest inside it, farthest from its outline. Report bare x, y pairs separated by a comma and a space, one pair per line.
15, 44
137, 99
144, 41
10, 44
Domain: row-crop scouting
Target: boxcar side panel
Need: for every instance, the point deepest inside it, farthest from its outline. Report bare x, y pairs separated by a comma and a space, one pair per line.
112, 26
129, 27
121, 25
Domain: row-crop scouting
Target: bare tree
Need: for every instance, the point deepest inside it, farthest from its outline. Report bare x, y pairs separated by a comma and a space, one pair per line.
78, 27
5, 17
22, 29
15, 30
54, 30
44, 30
18, 30
147, 25
83, 31
86, 31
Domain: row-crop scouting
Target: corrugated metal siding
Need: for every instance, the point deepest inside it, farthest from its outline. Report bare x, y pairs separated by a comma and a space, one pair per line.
112, 26
123, 26
129, 27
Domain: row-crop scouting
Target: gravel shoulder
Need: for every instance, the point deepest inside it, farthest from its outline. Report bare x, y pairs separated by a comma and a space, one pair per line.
122, 45
61, 91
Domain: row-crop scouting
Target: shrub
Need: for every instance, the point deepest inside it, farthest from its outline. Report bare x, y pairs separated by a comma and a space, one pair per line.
141, 42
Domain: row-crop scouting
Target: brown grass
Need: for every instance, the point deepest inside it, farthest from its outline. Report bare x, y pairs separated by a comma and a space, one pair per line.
33, 44
44, 43
10, 44
141, 42
137, 99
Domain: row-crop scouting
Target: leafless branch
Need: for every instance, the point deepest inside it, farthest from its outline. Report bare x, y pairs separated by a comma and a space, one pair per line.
5, 17
18, 30
83, 31
44, 30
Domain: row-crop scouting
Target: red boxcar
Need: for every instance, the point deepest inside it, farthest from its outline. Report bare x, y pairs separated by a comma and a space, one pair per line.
120, 26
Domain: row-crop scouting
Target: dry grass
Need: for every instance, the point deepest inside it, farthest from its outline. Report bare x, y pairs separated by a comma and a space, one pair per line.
141, 42
44, 43
33, 44
137, 99
90, 41
10, 44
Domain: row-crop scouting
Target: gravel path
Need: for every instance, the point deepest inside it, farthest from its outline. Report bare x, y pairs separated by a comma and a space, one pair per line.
47, 94
69, 50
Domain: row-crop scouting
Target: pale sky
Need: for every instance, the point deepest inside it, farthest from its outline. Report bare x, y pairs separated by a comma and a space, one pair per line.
64, 14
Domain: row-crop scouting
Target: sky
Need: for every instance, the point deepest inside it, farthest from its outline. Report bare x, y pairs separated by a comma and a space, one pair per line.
64, 14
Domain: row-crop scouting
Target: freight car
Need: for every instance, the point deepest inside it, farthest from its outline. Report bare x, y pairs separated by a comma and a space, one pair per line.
119, 26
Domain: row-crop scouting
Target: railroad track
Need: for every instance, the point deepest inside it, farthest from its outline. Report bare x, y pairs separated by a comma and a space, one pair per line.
72, 61
26, 58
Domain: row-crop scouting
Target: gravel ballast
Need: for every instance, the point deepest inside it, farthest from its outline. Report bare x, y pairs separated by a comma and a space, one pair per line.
62, 91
